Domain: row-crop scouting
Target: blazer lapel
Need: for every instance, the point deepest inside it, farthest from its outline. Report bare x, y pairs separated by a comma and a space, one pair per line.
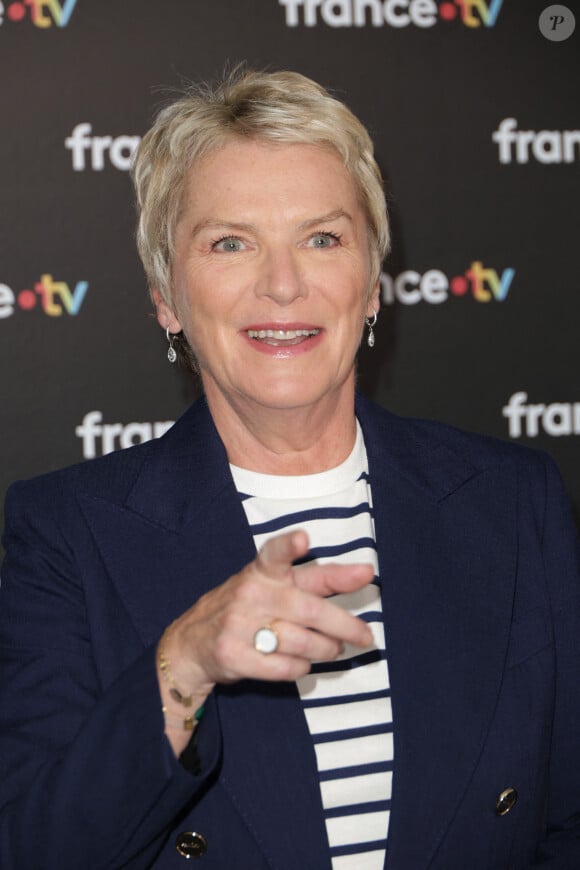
181, 531
447, 573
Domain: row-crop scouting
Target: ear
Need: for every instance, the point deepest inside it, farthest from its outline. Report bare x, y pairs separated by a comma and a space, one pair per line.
374, 299
166, 317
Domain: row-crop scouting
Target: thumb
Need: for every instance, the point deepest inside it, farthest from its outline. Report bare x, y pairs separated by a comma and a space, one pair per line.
275, 558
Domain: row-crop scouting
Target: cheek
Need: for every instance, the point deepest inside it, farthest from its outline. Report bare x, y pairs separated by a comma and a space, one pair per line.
357, 299
190, 301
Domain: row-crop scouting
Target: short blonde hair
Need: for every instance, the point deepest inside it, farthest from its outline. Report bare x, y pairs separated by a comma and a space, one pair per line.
281, 107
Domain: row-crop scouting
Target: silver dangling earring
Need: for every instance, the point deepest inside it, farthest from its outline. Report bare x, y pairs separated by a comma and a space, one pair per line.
371, 335
171, 352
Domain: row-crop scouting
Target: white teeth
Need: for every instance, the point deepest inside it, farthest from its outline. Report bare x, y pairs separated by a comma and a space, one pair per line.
282, 334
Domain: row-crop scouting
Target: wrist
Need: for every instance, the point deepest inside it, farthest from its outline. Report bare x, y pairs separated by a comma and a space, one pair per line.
182, 709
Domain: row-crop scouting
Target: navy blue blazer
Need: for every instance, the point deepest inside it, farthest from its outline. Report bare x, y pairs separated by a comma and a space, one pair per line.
481, 595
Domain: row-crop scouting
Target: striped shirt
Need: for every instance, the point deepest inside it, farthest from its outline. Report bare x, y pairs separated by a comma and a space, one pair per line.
347, 703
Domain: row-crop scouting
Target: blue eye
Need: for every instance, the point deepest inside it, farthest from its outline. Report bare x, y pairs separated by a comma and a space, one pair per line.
228, 244
324, 240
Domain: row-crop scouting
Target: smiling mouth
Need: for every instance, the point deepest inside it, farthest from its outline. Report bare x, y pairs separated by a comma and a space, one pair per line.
282, 337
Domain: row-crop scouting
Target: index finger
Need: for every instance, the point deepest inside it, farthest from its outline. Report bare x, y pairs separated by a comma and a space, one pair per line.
275, 558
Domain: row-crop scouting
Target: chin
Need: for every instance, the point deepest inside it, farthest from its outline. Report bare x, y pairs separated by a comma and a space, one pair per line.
286, 396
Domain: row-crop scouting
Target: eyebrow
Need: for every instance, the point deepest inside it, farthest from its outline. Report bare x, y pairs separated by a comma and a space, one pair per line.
326, 218
235, 226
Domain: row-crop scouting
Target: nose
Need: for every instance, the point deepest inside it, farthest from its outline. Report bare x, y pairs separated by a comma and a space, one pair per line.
281, 278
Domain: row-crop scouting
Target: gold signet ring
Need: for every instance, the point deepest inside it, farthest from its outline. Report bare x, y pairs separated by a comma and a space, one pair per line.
266, 640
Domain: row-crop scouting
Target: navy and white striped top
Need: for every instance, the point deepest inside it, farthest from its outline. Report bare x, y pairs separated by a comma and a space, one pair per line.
347, 703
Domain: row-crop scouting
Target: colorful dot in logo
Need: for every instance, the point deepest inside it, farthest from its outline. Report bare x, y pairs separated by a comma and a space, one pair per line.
26, 300
447, 11
16, 11
459, 285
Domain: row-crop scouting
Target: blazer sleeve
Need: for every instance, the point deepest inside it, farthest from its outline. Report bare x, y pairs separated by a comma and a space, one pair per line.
560, 848
87, 776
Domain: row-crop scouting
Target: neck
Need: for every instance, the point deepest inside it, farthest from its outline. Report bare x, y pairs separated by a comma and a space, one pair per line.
300, 440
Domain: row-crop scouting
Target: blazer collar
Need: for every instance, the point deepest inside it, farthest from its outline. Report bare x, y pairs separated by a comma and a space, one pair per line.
402, 449
186, 471
179, 531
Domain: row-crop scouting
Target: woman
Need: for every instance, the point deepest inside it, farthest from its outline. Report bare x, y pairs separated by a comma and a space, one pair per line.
199, 635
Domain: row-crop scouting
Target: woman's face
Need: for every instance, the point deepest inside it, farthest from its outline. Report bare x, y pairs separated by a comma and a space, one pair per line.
271, 275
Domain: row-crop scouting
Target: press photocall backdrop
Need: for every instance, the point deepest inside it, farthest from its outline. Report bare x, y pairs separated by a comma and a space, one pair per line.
474, 111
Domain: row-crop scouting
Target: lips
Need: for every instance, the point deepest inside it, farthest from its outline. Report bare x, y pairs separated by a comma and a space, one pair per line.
281, 340
282, 337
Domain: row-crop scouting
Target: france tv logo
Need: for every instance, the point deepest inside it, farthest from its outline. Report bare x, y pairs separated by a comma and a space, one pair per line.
545, 146
99, 438
55, 298
96, 152
42, 13
393, 13
481, 283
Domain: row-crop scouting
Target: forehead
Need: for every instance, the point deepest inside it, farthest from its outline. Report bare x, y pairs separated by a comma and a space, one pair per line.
253, 174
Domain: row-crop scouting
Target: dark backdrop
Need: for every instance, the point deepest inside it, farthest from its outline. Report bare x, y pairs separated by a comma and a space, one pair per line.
481, 303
